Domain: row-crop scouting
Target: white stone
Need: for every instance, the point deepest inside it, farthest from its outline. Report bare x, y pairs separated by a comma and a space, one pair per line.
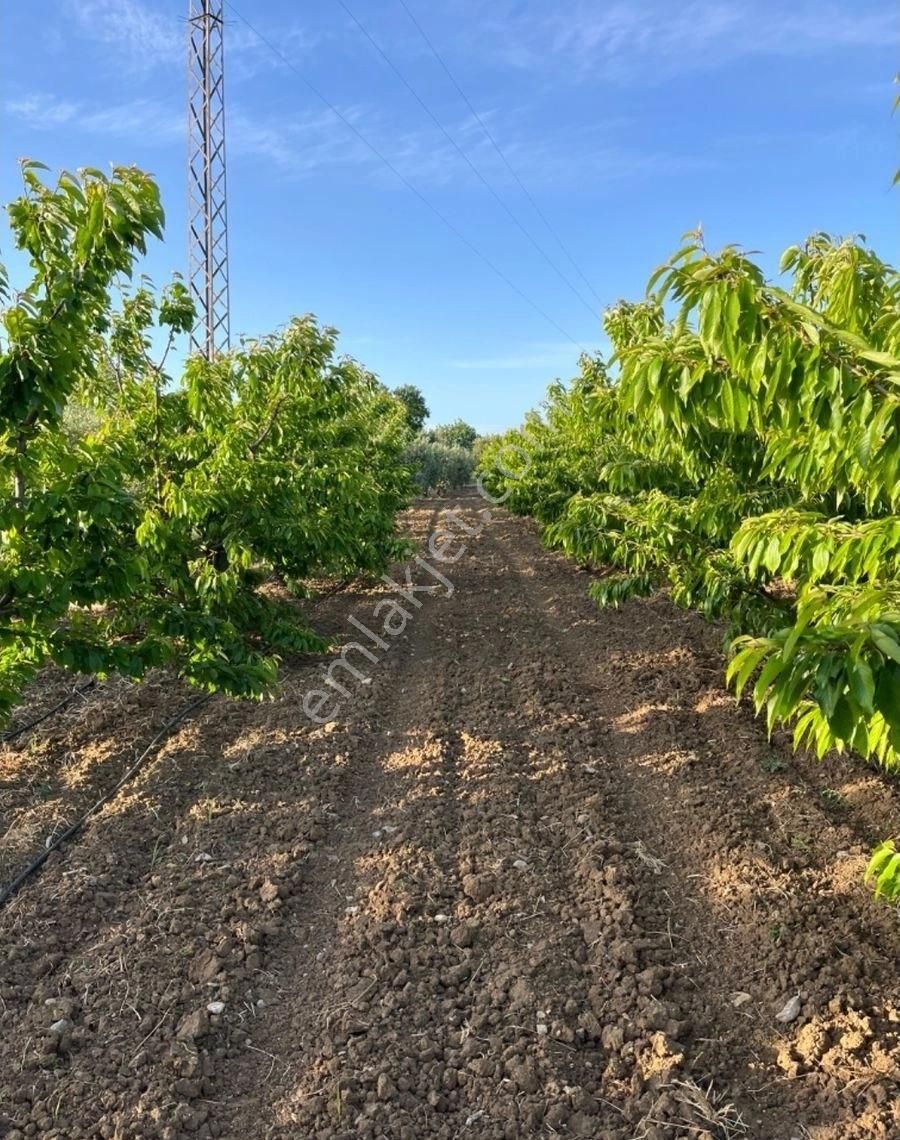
790, 1011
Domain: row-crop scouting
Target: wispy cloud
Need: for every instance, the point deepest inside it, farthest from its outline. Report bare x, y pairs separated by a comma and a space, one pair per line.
300, 145
41, 112
150, 119
620, 40
247, 55
315, 143
142, 36
656, 38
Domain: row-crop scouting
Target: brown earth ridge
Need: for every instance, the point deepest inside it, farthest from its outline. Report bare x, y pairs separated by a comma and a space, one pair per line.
541, 876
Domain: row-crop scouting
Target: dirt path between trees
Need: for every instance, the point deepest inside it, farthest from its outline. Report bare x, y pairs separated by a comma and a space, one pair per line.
539, 877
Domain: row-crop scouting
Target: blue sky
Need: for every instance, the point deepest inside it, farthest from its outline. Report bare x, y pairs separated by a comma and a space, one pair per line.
628, 121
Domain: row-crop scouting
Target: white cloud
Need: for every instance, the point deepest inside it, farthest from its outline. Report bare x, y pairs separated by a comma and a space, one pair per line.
313, 142
247, 56
41, 112
622, 40
650, 39
143, 35
316, 142
140, 118
148, 118
301, 144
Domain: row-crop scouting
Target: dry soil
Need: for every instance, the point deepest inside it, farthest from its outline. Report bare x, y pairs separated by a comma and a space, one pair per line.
540, 876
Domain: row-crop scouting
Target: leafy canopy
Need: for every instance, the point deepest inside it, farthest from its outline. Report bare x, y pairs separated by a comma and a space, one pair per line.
414, 403
743, 452
456, 434
141, 513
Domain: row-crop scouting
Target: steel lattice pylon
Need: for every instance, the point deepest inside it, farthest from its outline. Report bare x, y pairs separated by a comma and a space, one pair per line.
207, 206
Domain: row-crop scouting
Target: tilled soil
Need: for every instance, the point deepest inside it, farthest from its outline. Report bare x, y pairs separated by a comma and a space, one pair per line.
539, 876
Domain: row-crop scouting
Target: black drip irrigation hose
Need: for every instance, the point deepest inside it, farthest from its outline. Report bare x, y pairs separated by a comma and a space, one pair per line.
7, 893
5, 737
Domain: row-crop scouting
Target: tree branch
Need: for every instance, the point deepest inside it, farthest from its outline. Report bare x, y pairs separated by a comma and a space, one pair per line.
266, 431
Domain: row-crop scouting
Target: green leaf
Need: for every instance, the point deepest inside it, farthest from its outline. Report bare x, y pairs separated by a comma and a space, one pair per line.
862, 685
772, 557
887, 693
886, 642
842, 720
773, 669
744, 663
820, 560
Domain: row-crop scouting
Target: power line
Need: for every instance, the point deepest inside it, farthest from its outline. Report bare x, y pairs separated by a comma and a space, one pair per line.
402, 178
540, 213
437, 122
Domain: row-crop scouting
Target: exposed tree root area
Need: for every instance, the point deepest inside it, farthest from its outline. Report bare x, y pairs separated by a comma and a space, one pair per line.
539, 877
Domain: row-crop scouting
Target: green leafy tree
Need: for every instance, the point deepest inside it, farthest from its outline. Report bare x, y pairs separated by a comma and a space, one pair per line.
79, 235
436, 464
456, 434
414, 403
746, 457
482, 443
138, 532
